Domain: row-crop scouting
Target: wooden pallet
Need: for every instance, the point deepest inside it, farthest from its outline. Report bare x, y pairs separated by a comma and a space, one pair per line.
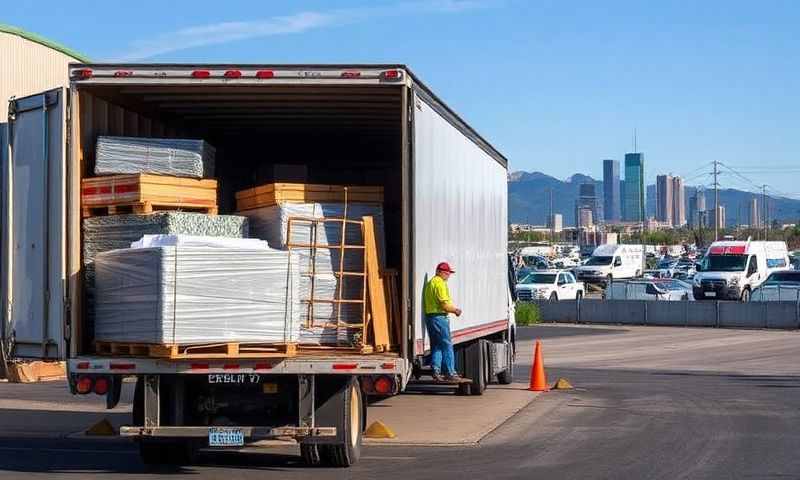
208, 351
335, 350
144, 208
142, 193
274, 193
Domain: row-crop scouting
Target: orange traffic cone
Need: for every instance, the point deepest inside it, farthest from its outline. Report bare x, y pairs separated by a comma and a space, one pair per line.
538, 378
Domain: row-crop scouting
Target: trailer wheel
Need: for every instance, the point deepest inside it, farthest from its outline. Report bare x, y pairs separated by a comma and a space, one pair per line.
310, 454
346, 454
506, 377
475, 366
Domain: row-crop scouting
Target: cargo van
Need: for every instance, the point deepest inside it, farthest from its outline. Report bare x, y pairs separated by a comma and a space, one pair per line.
730, 270
610, 262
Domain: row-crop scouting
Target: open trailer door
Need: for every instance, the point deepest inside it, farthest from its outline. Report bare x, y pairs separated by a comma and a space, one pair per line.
33, 228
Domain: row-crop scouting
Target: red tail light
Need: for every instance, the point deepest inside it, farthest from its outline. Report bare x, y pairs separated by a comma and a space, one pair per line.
101, 386
392, 75
233, 74
344, 366
265, 74
367, 384
83, 73
384, 385
201, 74
83, 365
351, 74
84, 385
123, 73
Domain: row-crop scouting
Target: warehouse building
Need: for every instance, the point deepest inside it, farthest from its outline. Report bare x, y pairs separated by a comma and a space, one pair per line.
28, 64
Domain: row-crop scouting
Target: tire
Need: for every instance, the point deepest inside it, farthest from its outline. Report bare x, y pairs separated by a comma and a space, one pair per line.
553, 297
311, 454
506, 377
745, 295
346, 454
475, 366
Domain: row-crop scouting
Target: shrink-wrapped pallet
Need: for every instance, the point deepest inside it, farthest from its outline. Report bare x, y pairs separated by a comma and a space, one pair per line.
104, 233
162, 156
271, 223
197, 295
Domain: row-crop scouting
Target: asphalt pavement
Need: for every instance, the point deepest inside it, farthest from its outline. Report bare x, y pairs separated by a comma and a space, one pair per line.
649, 403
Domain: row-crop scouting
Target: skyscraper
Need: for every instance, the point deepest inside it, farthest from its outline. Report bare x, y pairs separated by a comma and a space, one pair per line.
634, 187
664, 199
587, 200
717, 218
755, 219
697, 209
678, 202
611, 193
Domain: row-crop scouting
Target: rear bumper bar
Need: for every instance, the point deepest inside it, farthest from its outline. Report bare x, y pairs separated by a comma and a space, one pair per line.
250, 433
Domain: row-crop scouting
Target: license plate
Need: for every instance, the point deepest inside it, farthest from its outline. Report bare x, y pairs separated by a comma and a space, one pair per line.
234, 378
711, 294
225, 437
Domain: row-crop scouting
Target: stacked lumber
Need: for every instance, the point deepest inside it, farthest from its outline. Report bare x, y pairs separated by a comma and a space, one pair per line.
143, 193
275, 193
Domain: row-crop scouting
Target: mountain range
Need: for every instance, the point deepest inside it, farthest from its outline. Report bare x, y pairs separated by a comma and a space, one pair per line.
529, 200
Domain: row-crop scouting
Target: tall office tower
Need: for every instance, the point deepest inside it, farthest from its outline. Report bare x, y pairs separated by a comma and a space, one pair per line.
755, 219
611, 198
555, 222
587, 198
716, 218
664, 199
700, 218
634, 187
678, 202
583, 216
622, 215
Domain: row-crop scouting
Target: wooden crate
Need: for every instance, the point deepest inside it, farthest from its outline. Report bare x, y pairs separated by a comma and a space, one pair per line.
143, 193
209, 351
273, 193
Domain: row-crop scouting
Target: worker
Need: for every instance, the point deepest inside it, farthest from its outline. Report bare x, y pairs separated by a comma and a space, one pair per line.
438, 304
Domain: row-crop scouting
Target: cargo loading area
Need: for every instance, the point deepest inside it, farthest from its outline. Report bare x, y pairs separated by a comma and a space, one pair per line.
313, 134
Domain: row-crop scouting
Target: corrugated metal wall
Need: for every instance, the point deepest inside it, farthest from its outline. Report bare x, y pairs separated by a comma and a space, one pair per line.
27, 67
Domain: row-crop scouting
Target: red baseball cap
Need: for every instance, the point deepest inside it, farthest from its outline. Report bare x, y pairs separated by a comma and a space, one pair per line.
444, 267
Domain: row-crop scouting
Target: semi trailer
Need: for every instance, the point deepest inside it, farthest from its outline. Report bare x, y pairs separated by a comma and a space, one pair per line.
445, 199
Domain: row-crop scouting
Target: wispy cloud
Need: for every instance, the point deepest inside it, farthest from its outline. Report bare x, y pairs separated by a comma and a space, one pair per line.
225, 32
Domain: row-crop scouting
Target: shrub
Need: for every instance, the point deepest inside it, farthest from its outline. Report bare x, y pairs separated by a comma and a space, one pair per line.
527, 314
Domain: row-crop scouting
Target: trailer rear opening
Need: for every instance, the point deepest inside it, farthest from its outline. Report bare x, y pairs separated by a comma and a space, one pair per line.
444, 193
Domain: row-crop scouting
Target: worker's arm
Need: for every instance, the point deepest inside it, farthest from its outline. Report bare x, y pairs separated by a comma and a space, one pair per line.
448, 307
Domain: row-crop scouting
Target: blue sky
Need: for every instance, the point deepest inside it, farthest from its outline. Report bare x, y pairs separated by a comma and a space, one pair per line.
556, 86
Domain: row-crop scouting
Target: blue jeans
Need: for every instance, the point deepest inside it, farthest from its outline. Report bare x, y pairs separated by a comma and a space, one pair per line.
441, 344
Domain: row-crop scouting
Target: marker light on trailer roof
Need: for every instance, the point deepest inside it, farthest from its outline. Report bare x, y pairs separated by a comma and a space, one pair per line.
83, 73
392, 75
233, 74
351, 74
201, 74
265, 74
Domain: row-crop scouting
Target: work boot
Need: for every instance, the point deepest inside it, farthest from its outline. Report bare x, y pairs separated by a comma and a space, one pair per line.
437, 377
453, 377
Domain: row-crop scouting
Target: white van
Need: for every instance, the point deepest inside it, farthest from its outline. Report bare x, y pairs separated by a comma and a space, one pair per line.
732, 269
611, 262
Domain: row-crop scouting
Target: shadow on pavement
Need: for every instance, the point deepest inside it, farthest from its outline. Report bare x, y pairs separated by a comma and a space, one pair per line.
544, 331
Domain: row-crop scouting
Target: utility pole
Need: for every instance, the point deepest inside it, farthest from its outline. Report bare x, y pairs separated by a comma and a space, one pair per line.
764, 207
552, 220
716, 201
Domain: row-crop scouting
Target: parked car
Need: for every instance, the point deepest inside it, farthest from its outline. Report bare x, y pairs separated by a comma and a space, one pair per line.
667, 266
779, 286
668, 289
550, 285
